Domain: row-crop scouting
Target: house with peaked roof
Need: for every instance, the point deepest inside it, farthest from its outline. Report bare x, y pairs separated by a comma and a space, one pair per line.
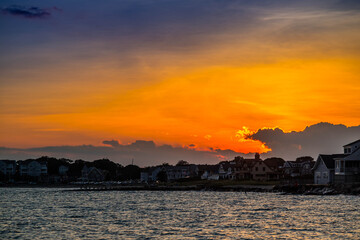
347, 166
248, 169
324, 168
339, 168
92, 174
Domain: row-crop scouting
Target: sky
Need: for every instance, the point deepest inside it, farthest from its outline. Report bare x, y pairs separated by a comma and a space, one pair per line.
168, 80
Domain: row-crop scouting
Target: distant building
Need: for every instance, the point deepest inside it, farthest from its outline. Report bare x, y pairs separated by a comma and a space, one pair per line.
92, 174
150, 174
32, 168
208, 172
248, 169
8, 167
7, 170
172, 172
295, 169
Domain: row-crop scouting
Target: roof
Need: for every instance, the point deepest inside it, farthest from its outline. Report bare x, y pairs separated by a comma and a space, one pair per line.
357, 141
274, 162
28, 161
329, 160
210, 168
353, 156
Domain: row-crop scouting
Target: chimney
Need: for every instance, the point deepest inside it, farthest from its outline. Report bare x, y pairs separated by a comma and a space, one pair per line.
257, 156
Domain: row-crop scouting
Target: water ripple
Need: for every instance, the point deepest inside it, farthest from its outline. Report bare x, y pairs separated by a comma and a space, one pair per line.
56, 214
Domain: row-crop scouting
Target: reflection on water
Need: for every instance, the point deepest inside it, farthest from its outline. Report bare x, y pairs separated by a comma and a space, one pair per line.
58, 214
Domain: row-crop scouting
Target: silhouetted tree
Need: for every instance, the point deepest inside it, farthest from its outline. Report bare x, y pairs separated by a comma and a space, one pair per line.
53, 164
107, 166
76, 167
182, 163
130, 172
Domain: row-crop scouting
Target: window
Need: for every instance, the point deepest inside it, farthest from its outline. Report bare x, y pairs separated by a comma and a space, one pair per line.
325, 175
256, 169
263, 169
342, 166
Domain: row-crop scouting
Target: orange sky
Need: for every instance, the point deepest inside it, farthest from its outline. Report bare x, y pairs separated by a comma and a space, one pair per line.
295, 69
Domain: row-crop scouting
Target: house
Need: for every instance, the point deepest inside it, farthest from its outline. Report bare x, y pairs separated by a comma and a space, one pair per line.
262, 172
294, 169
209, 172
339, 168
248, 169
277, 167
8, 167
173, 173
92, 174
150, 174
324, 168
347, 166
226, 170
181, 172
33, 168
7, 170
63, 170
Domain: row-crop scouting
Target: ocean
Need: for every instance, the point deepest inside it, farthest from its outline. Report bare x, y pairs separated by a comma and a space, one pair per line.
50, 213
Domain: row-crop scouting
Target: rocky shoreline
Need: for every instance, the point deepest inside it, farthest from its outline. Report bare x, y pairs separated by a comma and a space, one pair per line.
310, 189
282, 189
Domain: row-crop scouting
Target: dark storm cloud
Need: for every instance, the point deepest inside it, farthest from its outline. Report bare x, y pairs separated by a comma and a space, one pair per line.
27, 12
315, 139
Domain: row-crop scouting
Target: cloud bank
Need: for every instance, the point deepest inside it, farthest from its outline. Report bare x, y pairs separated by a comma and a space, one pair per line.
144, 153
321, 138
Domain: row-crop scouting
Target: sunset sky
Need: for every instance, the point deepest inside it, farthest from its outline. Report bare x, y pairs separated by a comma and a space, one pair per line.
194, 76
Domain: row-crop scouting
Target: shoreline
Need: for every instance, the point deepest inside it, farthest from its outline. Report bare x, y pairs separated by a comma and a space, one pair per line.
309, 189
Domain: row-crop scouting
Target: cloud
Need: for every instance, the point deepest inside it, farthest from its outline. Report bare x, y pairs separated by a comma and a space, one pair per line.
144, 153
27, 12
321, 138
112, 143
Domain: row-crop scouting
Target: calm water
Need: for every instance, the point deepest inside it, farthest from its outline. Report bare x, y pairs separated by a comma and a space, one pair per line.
58, 214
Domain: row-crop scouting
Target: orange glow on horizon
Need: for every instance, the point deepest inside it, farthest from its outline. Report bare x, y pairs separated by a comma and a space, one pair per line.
207, 107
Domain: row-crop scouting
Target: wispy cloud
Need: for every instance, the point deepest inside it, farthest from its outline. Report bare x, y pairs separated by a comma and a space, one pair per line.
27, 12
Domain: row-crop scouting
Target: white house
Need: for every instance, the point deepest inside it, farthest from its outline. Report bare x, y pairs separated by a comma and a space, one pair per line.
324, 169
339, 168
